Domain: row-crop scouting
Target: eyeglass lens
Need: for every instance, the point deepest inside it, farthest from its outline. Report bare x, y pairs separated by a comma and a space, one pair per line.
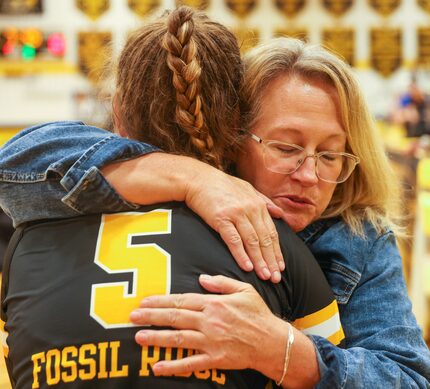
286, 159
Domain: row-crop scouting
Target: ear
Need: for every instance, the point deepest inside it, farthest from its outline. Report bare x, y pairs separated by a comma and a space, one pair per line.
118, 127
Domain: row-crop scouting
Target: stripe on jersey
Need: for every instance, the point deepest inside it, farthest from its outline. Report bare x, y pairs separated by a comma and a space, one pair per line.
325, 323
3, 337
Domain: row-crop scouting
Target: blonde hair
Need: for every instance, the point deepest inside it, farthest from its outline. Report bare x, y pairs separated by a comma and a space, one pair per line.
372, 192
178, 82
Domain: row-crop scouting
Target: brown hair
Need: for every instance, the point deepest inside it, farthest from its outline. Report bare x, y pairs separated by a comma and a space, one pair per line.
177, 87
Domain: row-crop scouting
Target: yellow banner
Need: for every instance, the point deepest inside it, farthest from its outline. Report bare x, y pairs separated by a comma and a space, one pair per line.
342, 42
241, 8
20, 7
424, 46
143, 7
386, 50
197, 4
94, 48
93, 8
384, 7
337, 7
290, 7
424, 4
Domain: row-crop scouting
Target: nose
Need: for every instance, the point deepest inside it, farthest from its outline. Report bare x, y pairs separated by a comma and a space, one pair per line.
306, 173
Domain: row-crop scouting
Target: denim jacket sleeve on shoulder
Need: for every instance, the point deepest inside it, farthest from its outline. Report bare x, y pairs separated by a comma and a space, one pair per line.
384, 345
52, 170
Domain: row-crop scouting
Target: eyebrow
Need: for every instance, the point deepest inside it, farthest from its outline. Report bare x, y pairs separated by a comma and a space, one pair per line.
276, 130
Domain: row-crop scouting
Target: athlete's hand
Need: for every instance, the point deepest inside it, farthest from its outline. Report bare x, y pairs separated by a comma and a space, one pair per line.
230, 331
242, 216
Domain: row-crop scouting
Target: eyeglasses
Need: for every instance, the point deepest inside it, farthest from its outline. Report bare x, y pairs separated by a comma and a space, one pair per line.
286, 158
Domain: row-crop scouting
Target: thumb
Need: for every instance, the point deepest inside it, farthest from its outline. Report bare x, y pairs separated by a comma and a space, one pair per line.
222, 284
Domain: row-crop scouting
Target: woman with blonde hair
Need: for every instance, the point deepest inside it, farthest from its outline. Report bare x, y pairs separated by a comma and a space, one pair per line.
307, 129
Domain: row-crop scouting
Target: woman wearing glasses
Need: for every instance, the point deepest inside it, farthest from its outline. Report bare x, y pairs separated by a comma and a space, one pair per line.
308, 128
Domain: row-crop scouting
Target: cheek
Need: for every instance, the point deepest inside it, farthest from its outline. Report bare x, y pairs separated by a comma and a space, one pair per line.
326, 193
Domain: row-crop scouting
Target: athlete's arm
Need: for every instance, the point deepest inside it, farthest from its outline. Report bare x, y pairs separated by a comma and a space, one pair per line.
231, 206
250, 334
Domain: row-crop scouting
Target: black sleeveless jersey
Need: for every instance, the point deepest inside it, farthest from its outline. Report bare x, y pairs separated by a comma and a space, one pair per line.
69, 287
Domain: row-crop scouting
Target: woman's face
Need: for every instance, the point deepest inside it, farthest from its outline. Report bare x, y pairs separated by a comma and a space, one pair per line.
302, 112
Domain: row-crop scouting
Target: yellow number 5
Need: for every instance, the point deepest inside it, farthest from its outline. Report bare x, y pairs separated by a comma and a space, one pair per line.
111, 303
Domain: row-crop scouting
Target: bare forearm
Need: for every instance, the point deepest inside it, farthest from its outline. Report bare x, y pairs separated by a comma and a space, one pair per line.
152, 178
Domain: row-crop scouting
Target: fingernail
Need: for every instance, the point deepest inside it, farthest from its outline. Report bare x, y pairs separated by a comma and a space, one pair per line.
141, 337
205, 277
281, 265
157, 369
276, 276
248, 265
135, 316
266, 272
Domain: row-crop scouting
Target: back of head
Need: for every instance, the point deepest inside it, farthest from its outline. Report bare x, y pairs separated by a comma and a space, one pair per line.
178, 81
372, 191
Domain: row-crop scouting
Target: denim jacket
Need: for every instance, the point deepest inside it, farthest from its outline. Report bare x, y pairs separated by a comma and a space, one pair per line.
60, 162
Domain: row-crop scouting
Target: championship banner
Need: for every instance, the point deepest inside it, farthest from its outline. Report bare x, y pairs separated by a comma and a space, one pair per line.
292, 33
341, 41
246, 37
384, 7
386, 50
241, 8
94, 48
337, 7
143, 7
197, 4
424, 47
424, 4
93, 8
20, 7
290, 8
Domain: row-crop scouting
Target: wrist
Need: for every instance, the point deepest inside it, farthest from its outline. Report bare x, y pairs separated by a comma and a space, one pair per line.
271, 350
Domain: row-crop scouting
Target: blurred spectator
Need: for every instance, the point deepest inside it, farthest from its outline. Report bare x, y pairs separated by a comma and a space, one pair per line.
6, 231
413, 111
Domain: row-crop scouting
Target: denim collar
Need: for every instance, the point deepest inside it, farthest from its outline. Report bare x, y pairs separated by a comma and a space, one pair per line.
313, 231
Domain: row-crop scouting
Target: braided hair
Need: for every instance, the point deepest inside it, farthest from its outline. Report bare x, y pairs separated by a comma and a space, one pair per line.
178, 81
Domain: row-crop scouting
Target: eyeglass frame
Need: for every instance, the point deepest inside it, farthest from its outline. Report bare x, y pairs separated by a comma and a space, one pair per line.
314, 155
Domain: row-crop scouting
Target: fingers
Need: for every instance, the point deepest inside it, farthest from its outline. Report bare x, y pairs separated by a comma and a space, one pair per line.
274, 237
270, 248
196, 362
222, 284
192, 301
232, 238
166, 317
169, 338
256, 244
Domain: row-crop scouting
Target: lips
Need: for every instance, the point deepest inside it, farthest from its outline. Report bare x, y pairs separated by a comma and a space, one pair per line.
297, 202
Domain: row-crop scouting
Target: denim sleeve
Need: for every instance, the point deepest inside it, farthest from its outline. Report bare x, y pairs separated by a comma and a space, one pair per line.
52, 171
384, 345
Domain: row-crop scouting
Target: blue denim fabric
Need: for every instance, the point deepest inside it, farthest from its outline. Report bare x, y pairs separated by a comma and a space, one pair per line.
384, 345
385, 349
59, 164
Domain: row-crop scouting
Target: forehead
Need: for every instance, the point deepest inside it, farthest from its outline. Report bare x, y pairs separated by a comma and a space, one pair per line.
301, 107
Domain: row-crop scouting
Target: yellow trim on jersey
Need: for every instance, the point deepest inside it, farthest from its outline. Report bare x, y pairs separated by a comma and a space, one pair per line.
325, 322
317, 317
337, 337
3, 336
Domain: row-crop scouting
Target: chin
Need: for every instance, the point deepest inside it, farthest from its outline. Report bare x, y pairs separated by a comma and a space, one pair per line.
296, 223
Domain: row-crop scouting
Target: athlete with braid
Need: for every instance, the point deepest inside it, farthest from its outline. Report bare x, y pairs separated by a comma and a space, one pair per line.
70, 284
